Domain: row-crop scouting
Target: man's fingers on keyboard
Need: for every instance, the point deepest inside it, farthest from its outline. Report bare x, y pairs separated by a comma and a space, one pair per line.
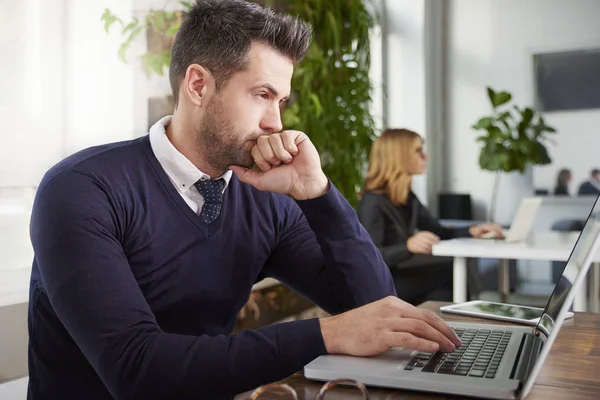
421, 329
406, 340
434, 321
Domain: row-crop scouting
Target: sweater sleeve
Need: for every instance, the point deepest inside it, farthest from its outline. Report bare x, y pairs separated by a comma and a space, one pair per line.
373, 219
326, 255
75, 232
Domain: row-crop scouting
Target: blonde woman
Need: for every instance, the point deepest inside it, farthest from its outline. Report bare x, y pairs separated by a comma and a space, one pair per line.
400, 226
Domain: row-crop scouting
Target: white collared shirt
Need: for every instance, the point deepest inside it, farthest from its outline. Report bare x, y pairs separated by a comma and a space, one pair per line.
182, 173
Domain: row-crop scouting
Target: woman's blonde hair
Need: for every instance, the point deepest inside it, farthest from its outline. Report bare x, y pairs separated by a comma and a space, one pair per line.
390, 155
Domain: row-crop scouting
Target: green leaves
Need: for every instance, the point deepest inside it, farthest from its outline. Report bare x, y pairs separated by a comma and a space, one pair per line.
483, 123
173, 29
123, 50
497, 99
109, 19
157, 62
289, 116
513, 139
163, 24
187, 5
130, 26
332, 90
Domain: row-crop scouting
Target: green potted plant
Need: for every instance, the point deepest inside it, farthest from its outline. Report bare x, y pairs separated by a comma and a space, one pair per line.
331, 89
514, 138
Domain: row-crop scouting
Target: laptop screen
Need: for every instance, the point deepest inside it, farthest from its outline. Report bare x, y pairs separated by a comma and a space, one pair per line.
571, 269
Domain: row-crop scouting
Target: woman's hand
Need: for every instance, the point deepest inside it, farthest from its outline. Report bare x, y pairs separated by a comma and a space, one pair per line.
422, 242
489, 230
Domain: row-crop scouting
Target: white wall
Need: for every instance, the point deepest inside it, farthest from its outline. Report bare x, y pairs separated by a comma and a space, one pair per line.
404, 71
578, 147
99, 86
31, 87
491, 43
63, 86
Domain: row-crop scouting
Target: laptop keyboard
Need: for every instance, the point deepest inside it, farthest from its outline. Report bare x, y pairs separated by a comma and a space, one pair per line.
478, 356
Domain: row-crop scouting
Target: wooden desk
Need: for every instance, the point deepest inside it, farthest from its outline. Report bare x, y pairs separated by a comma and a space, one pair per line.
570, 371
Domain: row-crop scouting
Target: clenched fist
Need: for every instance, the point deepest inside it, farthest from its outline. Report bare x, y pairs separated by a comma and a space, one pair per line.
289, 164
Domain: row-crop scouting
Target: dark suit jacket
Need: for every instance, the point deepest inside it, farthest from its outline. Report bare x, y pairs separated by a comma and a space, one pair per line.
390, 232
561, 191
587, 188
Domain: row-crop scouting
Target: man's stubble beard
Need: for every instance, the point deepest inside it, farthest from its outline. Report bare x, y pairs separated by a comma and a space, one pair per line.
219, 145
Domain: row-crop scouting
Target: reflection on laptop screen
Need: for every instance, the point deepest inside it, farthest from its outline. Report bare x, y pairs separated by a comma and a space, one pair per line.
572, 267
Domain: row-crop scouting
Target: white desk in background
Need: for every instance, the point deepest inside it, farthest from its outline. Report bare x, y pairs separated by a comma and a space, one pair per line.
14, 390
550, 246
14, 286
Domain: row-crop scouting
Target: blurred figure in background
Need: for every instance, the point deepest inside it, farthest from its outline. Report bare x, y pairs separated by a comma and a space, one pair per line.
400, 226
591, 186
563, 179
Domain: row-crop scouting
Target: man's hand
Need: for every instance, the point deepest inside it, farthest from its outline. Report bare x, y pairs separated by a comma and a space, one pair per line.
491, 230
377, 327
290, 164
422, 242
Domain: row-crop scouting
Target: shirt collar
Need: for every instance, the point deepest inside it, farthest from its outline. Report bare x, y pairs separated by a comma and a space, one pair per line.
180, 170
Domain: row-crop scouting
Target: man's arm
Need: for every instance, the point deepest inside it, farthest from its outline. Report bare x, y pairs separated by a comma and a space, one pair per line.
75, 234
348, 270
326, 254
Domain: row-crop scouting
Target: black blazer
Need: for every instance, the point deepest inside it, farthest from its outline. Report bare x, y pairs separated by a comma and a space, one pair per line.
561, 190
587, 188
390, 231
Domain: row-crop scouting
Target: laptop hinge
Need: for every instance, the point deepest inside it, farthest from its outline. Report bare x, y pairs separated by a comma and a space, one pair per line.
527, 356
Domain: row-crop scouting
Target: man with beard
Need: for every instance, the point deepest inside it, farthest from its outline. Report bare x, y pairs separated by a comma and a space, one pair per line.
146, 250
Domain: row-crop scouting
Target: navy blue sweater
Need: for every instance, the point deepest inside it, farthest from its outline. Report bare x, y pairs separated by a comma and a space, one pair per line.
133, 296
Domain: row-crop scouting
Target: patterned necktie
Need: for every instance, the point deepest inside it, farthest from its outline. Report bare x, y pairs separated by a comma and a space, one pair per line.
212, 192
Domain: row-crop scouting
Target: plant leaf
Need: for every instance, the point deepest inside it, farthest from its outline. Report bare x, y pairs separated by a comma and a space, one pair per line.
506, 115
491, 95
335, 32
541, 155
154, 62
109, 19
173, 29
527, 116
542, 128
318, 108
122, 50
501, 98
187, 5
159, 20
483, 123
548, 129
130, 26
289, 115
134, 33
495, 134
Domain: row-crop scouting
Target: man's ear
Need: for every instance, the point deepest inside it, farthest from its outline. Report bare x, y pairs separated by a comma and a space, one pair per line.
196, 84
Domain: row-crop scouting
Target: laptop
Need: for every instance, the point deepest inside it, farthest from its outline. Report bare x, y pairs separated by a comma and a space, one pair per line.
494, 361
522, 222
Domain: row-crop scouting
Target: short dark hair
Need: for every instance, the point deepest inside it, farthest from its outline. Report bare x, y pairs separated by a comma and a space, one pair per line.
595, 172
217, 34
